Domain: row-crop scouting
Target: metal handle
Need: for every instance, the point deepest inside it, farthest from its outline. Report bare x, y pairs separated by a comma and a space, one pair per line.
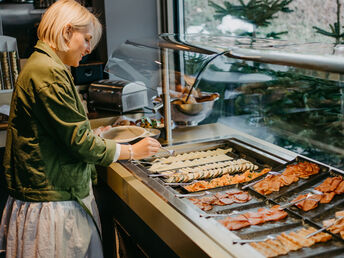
160, 175
244, 241
191, 195
219, 214
318, 231
214, 215
253, 183
323, 228
171, 152
178, 184
300, 200
287, 205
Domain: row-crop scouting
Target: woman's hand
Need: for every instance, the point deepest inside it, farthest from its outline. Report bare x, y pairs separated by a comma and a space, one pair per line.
145, 148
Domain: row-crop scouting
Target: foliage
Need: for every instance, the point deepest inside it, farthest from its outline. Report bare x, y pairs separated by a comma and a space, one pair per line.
335, 29
257, 12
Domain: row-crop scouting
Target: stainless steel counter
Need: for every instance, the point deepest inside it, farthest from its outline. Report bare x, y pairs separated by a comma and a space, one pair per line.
173, 219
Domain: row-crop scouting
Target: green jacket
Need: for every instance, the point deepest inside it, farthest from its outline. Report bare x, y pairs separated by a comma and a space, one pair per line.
51, 150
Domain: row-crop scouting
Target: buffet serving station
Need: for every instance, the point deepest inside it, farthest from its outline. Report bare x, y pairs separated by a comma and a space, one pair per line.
217, 195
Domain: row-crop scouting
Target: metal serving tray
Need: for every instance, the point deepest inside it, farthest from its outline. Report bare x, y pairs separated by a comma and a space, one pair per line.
296, 219
323, 208
300, 183
239, 151
256, 199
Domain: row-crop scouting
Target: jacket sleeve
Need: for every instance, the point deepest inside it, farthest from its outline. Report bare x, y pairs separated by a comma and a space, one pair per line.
60, 111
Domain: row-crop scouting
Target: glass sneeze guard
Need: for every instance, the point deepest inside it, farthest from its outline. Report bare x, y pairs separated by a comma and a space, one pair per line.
285, 93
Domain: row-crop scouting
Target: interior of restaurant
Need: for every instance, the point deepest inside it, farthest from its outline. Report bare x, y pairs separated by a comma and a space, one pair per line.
240, 93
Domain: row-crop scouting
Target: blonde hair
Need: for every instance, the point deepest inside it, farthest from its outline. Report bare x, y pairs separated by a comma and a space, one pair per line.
63, 13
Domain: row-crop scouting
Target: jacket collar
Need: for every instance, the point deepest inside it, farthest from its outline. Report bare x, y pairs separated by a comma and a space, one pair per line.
44, 47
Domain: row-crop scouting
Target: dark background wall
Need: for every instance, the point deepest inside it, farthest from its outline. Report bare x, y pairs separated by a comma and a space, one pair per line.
129, 19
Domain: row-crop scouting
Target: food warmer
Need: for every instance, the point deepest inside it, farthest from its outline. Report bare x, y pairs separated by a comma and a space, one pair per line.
280, 109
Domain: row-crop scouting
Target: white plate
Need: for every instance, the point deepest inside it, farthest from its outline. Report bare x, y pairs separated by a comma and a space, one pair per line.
123, 134
153, 132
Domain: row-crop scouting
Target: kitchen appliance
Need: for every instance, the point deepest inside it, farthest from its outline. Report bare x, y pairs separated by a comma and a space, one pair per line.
118, 95
86, 73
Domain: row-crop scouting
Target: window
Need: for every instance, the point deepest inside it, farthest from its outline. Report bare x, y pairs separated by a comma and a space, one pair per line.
294, 20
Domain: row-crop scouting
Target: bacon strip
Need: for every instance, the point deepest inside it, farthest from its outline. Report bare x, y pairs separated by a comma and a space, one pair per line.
330, 184
340, 188
287, 242
221, 199
292, 173
253, 218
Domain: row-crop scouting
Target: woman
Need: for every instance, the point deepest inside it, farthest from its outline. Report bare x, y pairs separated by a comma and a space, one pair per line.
51, 151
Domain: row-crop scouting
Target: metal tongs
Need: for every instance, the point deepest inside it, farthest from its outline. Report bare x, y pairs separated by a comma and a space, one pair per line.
253, 183
323, 228
165, 150
289, 204
140, 162
192, 194
175, 172
171, 152
244, 241
212, 215
180, 184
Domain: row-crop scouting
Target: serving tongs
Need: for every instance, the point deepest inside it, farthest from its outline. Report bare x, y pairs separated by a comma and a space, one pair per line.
170, 152
255, 182
309, 195
164, 174
213, 215
326, 227
140, 162
180, 184
165, 152
245, 241
192, 194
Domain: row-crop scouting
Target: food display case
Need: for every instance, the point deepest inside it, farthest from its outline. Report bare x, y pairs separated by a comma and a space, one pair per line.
256, 127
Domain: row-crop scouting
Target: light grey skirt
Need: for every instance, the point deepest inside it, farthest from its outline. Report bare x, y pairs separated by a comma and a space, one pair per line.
50, 229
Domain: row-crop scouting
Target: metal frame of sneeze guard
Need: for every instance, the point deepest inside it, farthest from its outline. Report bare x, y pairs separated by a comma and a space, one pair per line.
167, 43
166, 96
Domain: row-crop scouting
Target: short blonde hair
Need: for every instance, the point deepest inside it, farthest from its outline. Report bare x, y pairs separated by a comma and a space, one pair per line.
67, 12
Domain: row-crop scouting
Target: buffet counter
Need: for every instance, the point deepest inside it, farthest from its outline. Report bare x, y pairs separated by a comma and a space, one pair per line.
186, 233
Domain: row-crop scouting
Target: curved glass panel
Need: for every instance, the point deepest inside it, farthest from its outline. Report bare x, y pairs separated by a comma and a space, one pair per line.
141, 60
299, 109
285, 93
